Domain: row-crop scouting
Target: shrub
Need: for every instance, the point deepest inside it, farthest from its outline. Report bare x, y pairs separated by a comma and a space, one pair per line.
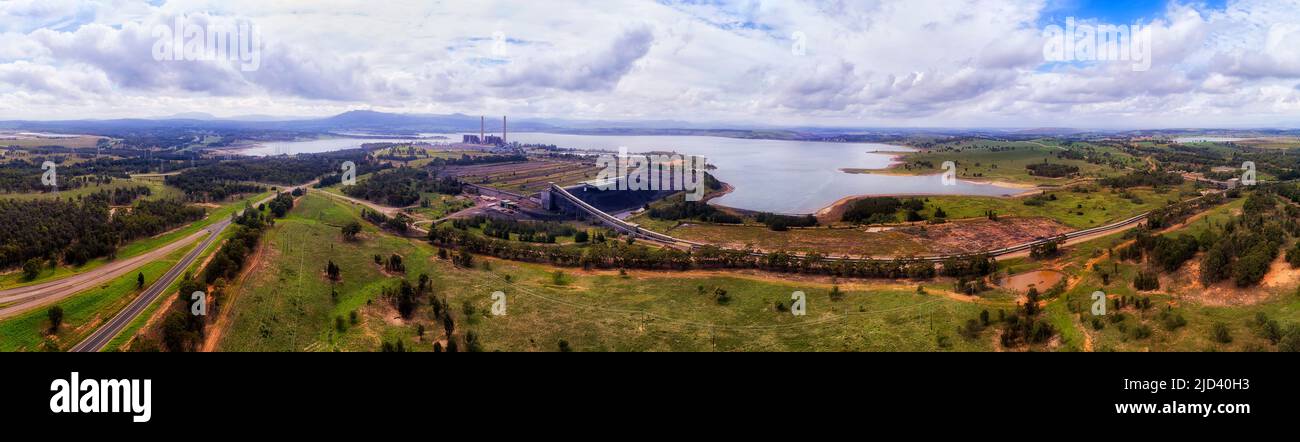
1220, 333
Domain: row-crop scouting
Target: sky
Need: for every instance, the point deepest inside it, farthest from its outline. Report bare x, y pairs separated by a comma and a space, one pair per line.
790, 63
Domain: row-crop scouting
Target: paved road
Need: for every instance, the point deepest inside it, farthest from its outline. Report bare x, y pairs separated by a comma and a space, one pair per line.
105, 333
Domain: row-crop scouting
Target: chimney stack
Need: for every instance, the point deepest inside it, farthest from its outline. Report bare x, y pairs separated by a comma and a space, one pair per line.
482, 126
504, 140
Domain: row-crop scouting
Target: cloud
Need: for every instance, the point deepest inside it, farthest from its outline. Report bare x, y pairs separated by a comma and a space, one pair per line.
595, 71
868, 62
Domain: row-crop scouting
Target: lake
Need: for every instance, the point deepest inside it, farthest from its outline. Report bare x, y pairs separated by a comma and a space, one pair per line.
792, 177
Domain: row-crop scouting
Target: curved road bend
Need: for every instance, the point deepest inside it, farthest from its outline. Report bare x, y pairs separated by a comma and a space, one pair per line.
106, 332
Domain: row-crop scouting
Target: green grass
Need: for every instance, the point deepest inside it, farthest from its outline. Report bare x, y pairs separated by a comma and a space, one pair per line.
286, 305
26, 332
1098, 208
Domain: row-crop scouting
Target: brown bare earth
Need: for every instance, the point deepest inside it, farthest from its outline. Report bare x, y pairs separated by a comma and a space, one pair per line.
981, 234
954, 237
1187, 286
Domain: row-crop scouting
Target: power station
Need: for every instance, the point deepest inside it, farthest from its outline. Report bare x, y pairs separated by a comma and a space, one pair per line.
483, 138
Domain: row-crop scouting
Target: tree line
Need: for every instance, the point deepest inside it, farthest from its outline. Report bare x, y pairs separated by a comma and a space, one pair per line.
77, 231
625, 254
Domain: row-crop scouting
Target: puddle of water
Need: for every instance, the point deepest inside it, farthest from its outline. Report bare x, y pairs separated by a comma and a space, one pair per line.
1042, 279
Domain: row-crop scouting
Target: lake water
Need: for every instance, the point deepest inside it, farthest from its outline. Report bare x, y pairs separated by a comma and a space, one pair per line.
777, 176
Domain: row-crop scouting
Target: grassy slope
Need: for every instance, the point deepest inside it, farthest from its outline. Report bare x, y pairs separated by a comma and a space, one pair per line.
286, 306
1099, 208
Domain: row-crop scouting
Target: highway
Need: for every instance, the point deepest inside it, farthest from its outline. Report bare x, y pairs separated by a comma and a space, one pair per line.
106, 332
23, 299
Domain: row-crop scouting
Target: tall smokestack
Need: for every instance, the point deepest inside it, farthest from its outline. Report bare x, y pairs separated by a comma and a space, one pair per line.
504, 130
482, 127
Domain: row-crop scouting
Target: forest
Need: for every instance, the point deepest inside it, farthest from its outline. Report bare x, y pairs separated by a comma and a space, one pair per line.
216, 182
77, 231
401, 187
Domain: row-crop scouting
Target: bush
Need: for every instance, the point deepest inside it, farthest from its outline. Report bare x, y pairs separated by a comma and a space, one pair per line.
871, 209
1172, 321
1146, 281
31, 269
55, 315
721, 296
1220, 333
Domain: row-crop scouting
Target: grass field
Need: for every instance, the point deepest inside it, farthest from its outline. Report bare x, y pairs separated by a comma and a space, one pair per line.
82, 312
285, 304
1079, 210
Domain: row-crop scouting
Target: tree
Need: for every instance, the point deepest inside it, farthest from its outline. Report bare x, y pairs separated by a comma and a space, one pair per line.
55, 315
139, 281
564, 346
332, 271
351, 230
32, 269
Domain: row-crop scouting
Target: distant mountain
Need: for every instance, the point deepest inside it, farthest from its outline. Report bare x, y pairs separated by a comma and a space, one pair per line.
190, 116
383, 123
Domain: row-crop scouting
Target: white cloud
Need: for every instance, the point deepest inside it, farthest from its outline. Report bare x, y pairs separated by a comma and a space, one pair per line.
868, 63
